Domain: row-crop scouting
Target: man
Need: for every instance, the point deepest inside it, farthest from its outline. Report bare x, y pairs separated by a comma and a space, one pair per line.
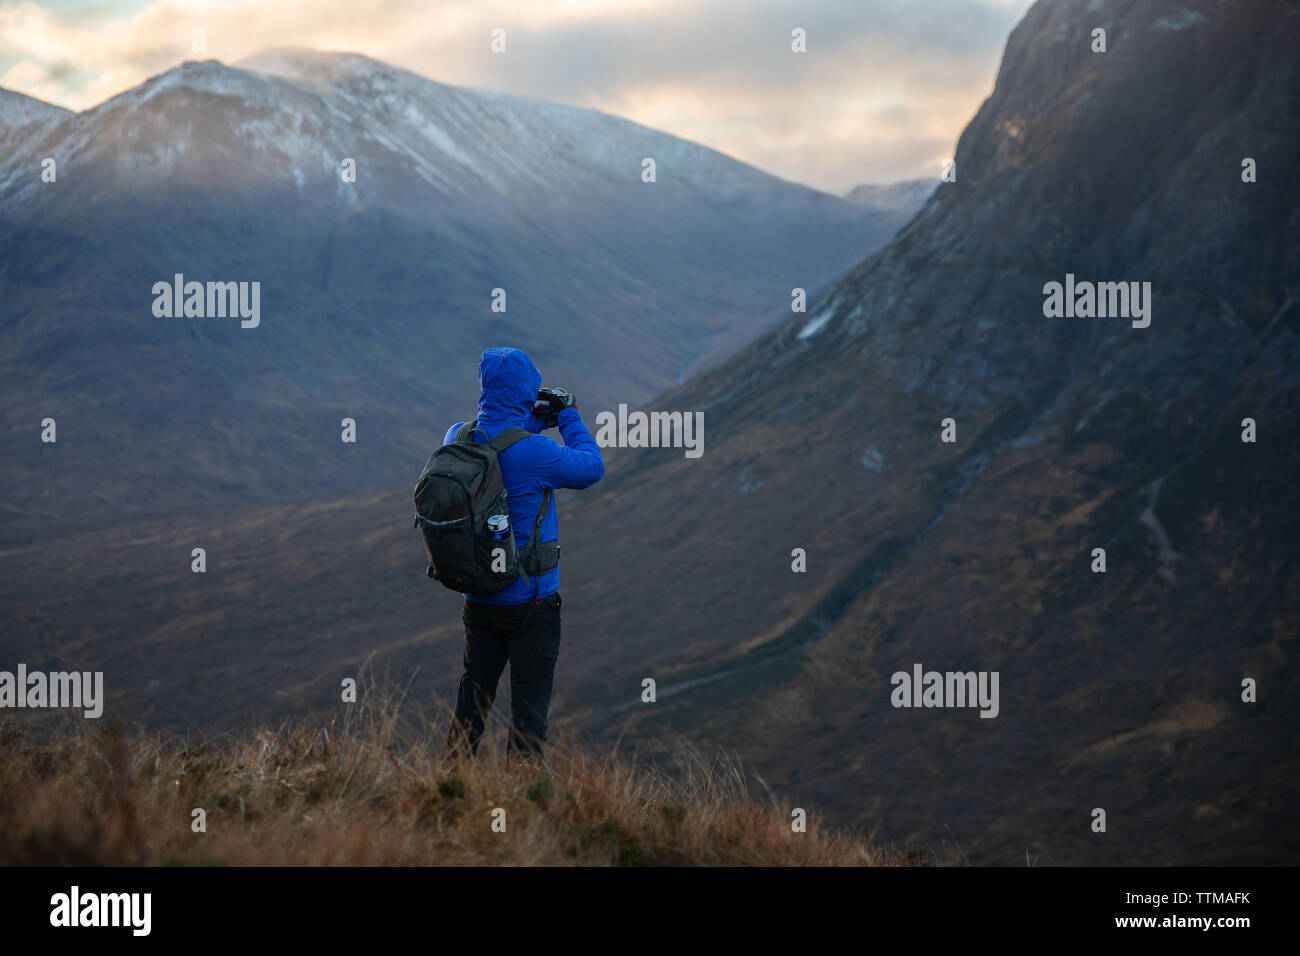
520, 624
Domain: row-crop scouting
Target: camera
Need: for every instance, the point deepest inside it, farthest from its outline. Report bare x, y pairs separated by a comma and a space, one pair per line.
550, 402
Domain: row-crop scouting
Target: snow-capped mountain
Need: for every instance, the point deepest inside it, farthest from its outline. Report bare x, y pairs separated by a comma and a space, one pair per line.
376, 294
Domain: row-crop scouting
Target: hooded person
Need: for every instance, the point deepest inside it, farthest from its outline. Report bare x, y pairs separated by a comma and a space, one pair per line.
519, 625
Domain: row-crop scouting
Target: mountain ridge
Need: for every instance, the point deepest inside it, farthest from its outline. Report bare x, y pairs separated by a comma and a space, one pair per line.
19, 109
378, 292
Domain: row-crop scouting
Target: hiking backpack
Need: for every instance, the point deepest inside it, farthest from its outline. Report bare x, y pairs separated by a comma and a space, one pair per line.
461, 513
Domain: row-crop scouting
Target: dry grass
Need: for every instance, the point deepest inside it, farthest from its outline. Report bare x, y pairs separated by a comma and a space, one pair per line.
367, 791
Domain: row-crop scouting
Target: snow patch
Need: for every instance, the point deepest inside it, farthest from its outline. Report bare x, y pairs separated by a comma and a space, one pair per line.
816, 323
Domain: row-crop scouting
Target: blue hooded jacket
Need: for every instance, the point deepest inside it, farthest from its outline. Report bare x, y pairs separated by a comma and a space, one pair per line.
509, 382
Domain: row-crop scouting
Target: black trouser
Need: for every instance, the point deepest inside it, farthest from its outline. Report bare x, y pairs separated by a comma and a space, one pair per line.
528, 637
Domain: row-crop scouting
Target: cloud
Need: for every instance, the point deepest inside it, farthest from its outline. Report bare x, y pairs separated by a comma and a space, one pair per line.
881, 93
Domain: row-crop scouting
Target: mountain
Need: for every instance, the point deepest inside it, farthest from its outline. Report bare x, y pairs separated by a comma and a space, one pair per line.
375, 295
903, 197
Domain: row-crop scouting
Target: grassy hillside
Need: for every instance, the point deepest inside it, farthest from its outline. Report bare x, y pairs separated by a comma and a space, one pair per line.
363, 791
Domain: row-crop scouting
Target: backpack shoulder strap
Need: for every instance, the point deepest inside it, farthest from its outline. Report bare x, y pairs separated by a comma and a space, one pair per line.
509, 437
533, 542
466, 433
535, 539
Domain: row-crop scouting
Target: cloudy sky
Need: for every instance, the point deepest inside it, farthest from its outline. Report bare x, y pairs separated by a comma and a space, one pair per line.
881, 94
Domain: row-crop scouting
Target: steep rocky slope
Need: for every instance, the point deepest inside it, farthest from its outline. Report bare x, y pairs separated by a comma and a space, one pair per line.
1119, 690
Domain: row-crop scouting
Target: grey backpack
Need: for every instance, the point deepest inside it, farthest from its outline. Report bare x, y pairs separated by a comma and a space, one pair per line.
461, 513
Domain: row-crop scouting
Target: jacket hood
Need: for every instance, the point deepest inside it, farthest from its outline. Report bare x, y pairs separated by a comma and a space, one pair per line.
509, 381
